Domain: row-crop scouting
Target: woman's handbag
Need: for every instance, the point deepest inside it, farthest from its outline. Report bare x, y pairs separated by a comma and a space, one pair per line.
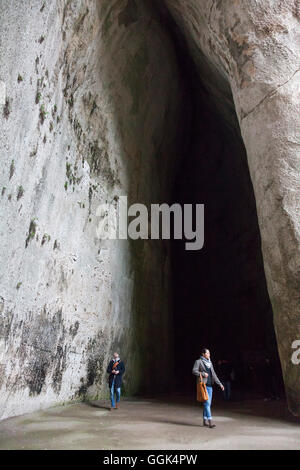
201, 390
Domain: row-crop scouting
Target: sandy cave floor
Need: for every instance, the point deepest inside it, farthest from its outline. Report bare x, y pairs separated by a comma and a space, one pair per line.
154, 423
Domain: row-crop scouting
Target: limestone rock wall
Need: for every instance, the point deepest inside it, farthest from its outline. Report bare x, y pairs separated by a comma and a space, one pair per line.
89, 112
92, 102
252, 50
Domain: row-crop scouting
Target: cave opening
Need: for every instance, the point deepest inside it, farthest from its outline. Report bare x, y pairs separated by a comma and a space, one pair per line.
220, 297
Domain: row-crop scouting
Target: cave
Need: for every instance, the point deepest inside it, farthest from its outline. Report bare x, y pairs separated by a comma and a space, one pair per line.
162, 102
219, 294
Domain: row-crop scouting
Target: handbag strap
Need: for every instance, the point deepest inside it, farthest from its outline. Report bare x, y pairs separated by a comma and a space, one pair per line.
115, 364
200, 376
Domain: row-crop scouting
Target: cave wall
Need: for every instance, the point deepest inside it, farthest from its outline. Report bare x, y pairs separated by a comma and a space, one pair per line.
251, 49
91, 102
93, 107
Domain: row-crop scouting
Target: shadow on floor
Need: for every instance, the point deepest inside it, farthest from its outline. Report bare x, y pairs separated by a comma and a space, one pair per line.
250, 404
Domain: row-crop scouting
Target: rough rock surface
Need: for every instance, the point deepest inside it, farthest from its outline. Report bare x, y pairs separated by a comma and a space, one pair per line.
85, 118
252, 50
92, 100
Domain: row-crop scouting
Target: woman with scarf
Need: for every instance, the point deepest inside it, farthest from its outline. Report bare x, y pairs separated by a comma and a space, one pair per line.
115, 369
205, 367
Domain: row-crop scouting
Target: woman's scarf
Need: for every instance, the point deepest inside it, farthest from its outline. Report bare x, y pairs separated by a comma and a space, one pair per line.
207, 362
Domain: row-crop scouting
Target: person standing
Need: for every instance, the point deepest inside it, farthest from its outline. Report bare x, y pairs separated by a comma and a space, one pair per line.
115, 369
269, 375
226, 374
205, 367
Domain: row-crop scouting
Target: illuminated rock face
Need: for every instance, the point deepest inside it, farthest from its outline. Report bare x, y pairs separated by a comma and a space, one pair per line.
252, 49
86, 116
94, 105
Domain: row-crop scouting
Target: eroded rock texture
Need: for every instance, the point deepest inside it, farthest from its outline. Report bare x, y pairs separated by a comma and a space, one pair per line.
96, 104
91, 110
252, 49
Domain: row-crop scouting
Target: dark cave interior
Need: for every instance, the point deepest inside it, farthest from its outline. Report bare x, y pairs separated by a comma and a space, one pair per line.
220, 296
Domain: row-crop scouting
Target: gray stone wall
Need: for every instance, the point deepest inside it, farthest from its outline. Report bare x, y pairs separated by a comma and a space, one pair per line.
90, 92
92, 106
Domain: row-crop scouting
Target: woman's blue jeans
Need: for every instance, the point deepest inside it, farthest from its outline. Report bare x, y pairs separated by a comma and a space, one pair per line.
112, 393
207, 403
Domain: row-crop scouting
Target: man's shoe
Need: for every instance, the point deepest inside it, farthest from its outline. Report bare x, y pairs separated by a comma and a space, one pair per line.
205, 422
211, 425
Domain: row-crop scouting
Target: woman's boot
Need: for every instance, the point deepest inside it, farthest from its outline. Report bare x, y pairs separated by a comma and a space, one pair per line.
210, 424
205, 422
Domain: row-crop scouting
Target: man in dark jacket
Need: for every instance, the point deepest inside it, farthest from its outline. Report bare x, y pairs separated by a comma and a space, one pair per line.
115, 370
